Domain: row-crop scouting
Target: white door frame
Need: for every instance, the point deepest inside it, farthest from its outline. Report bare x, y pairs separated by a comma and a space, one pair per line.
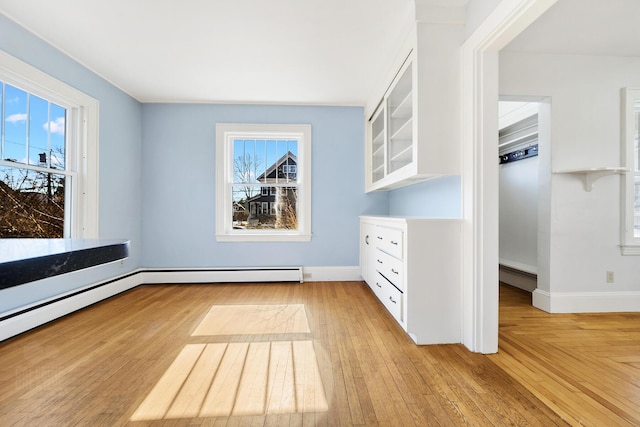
480, 167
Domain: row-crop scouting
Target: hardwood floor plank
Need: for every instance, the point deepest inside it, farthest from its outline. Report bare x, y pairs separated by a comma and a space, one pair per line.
188, 402
310, 395
221, 398
281, 388
252, 391
161, 397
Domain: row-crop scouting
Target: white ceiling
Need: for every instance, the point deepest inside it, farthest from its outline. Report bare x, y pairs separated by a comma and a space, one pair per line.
330, 52
257, 51
584, 27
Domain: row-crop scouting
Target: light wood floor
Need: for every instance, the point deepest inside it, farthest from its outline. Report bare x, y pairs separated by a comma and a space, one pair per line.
585, 367
97, 367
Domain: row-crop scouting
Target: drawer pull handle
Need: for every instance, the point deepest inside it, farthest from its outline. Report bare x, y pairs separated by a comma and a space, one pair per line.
391, 299
394, 243
366, 239
394, 271
378, 285
379, 262
379, 237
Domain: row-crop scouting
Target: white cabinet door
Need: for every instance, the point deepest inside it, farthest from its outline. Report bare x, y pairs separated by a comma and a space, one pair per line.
367, 249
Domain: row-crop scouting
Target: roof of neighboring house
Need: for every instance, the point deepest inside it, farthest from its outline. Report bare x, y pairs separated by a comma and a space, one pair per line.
279, 162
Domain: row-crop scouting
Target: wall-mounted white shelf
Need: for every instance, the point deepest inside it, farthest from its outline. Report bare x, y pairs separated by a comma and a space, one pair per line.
591, 175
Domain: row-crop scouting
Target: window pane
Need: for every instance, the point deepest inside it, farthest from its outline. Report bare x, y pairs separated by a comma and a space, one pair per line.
1, 115
271, 156
246, 161
31, 204
260, 159
38, 135
268, 208
57, 136
15, 124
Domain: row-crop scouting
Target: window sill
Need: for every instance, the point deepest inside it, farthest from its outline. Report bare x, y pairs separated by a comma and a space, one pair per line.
630, 249
263, 237
27, 260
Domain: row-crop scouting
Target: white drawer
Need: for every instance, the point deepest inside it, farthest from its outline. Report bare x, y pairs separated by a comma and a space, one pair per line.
389, 240
391, 268
392, 300
378, 284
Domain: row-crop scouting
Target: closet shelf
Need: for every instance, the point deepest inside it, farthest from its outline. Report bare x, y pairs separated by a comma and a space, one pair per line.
591, 175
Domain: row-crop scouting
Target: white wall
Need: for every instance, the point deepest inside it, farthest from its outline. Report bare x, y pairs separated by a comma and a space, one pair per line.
477, 11
519, 214
584, 227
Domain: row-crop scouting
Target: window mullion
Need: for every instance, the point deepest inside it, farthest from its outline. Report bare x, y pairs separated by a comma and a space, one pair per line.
2, 148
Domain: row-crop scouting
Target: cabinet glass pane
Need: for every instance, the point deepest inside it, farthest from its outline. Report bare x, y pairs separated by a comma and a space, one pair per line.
400, 113
377, 147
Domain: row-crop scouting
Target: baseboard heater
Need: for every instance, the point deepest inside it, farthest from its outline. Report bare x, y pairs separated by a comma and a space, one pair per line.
225, 275
25, 318
518, 277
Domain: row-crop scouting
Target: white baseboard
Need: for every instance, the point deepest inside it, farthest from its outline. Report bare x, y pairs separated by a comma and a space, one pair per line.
586, 302
332, 274
29, 317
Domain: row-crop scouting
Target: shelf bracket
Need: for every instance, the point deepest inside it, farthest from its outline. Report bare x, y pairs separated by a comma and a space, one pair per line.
594, 174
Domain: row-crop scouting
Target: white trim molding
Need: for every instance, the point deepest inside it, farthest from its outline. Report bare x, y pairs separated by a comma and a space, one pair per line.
84, 113
479, 105
586, 302
226, 133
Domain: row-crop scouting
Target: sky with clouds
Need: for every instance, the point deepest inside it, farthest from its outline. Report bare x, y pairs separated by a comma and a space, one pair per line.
31, 125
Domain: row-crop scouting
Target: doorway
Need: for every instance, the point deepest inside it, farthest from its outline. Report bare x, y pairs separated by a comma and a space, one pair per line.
519, 170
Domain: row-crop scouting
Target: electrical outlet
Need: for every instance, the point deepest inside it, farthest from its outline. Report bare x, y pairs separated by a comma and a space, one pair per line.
609, 276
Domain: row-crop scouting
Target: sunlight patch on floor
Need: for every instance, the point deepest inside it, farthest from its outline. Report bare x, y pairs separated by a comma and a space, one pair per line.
254, 319
241, 378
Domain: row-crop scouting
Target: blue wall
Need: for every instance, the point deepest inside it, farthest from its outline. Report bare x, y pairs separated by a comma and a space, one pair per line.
179, 187
120, 158
437, 198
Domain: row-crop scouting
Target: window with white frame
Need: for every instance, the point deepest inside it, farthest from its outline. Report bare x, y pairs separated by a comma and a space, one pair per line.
289, 169
630, 233
48, 156
267, 169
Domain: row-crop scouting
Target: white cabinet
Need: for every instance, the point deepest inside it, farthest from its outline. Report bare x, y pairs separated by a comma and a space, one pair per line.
412, 265
412, 132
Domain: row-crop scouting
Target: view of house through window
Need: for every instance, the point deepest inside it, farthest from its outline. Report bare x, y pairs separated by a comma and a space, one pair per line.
263, 182
264, 191
33, 176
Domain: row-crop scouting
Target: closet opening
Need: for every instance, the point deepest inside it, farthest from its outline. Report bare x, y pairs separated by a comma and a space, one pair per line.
523, 169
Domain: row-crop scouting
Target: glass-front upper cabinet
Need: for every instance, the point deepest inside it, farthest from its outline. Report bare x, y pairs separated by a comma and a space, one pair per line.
392, 129
400, 118
413, 131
